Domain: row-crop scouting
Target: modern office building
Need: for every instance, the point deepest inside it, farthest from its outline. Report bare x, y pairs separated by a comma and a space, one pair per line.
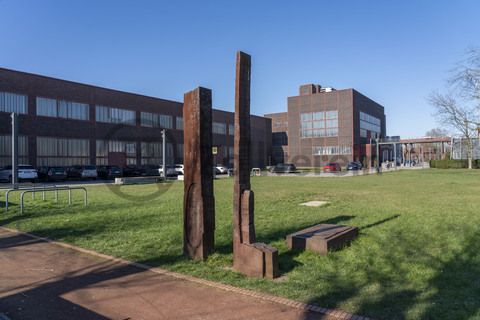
323, 125
67, 123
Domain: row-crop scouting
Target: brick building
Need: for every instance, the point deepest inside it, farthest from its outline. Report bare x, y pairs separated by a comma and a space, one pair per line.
67, 123
323, 125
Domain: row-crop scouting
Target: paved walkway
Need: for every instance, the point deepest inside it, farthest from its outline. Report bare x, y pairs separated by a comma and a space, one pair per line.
43, 280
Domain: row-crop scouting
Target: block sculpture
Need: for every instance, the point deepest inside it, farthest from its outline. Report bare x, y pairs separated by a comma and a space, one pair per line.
322, 238
250, 258
198, 201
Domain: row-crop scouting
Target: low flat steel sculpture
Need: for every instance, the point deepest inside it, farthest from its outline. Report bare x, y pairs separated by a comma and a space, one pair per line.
249, 257
198, 201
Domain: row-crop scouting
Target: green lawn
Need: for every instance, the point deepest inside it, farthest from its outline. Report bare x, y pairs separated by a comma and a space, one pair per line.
417, 256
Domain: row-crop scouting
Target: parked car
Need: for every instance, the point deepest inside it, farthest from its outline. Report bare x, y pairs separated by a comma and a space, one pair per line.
56, 173
150, 170
171, 171
109, 172
82, 172
284, 168
221, 169
332, 167
179, 168
133, 171
355, 165
25, 172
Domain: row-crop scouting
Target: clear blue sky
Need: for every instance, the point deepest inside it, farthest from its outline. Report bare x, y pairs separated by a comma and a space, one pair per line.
395, 52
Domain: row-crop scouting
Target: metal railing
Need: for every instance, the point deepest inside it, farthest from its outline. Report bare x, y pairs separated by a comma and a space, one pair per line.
35, 188
44, 189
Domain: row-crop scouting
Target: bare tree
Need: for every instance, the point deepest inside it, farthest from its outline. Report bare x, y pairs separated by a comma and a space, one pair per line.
437, 132
459, 109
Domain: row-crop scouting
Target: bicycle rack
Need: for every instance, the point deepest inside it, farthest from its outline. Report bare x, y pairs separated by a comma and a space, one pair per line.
44, 189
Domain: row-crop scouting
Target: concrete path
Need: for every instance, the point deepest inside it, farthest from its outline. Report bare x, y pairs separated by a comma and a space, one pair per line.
43, 280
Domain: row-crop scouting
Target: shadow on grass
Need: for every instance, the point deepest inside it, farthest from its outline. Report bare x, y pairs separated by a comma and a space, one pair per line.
451, 293
379, 222
14, 214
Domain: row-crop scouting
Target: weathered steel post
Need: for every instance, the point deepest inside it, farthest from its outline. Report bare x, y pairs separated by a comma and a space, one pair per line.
249, 257
198, 201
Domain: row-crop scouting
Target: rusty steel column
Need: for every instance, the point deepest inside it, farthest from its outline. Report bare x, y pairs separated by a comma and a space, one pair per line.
249, 257
198, 200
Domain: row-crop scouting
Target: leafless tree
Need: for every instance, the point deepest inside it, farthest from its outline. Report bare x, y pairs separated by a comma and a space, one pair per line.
437, 132
459, 108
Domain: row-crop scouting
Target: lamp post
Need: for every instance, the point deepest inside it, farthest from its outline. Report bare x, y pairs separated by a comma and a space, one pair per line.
164, 167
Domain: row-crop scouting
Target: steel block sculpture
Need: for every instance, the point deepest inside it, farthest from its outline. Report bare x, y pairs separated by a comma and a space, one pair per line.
198, 201
249, 257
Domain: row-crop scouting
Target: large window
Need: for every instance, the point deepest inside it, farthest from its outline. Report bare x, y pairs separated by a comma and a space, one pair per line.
62, 109
331, 150
319, 124
6, 150
155, 120
219, 128
53, 151
179, 123
369, 123
114, 115
180, 151
231, 129
12, 102
104, 147
152, 153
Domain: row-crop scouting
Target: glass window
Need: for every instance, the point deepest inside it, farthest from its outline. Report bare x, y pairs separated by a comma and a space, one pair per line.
12, 102
180, 150
62, 109
331, 150
231, 129
179, 123
114, 115
46, 107
370, 123
219, 128
313, 123
155, 120
73, 110
53, 151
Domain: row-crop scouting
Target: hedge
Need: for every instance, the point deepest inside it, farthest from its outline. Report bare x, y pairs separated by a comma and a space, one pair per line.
453, 164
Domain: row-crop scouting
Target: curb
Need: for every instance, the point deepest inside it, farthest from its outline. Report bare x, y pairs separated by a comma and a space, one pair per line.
339, 314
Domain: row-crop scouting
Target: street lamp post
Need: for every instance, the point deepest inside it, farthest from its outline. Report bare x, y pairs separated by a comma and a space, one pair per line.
164, 167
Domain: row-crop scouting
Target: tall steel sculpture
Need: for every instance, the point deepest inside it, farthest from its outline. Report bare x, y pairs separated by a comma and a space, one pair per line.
249, 257
198, 202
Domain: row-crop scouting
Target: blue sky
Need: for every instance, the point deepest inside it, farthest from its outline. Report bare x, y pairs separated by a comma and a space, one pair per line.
395, 52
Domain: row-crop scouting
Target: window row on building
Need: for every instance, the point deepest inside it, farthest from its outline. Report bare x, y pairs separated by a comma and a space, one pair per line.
12, 102
331, 150
156, 120
62, 109
62, 151
114, 115
47, 107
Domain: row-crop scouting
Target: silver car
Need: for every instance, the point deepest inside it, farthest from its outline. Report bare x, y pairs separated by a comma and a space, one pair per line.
25, 172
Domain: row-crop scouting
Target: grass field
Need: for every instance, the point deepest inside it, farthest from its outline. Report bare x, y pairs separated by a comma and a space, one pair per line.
417, 256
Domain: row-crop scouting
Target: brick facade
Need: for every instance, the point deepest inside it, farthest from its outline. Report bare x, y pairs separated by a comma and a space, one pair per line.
33, 126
